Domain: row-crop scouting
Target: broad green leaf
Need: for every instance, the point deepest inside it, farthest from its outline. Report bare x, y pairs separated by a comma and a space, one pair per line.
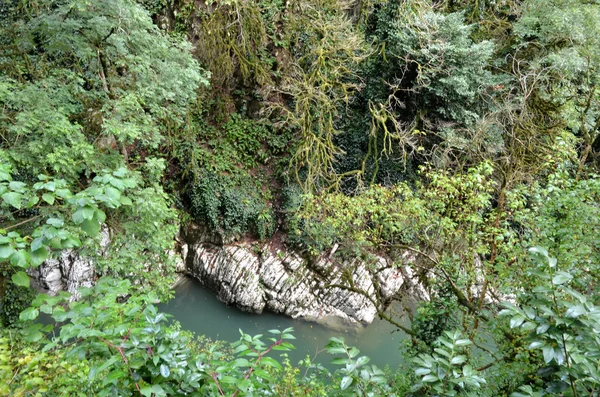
165, 371
17, 185
561, 278
114, 375
20, 258
575, 311
38, 256
271, 362
21, 279
33, 336
120, 172
6, 250
64, 193
56, 222
548, 354
362, 360
228, 380
516, 321
124, 200
32, 201
155, 390
353, 352
13, 199
5, 176
536, 344
462, 342
346, 381
458, 360
91, 227
48, 197
30, 313
539, 250
430, 378
113, 193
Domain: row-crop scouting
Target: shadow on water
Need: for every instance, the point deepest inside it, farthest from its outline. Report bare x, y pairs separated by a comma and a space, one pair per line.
199, 310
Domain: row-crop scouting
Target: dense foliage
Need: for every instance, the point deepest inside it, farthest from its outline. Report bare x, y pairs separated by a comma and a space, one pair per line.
456, 133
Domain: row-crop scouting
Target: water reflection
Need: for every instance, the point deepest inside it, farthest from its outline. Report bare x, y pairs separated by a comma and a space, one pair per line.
198, 310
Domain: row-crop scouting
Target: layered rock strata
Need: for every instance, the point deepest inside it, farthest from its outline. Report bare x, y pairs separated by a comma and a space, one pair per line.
256, 278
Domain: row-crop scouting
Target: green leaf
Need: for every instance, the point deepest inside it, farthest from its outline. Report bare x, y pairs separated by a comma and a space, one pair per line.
21, 279
113, 193
362, 361
516, 321
38, 256
114, 375
32, 201
91, 227
228, 380
64, 193
121, 172
17, 185
271, 362
548, 353
33, 336
56, 222
157, 390
6, 250
458, 360
430, 378
561, 278
346, 381
165, 371
536, 344
30, 313
78, 217
37, 243
542, 328
263, 374
105, 365
48, 197
13, 199
124, 200
20, 259
575, 311
462, 342
539, 250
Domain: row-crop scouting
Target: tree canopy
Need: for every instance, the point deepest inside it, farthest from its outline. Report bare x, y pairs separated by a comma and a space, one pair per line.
462, 132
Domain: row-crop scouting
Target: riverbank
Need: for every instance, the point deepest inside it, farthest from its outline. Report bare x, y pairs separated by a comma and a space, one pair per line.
200, 311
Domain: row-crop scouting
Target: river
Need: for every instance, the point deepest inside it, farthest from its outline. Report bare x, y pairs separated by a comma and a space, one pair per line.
199, 310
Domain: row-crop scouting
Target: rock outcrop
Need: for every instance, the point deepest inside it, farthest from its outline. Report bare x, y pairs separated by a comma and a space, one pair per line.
68, 272
255, 278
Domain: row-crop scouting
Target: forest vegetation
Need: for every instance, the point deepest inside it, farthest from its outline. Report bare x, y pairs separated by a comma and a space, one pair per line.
463, 131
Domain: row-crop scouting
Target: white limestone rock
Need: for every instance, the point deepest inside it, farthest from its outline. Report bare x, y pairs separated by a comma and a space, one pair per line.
282, 282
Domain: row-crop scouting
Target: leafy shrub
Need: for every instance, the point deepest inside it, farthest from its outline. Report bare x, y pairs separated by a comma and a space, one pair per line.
228, 208
13, 298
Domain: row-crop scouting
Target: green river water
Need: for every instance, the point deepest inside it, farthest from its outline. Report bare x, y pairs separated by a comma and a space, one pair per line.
198, 310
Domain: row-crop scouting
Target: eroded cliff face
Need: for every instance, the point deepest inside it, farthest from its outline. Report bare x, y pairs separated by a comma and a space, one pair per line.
257, 277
